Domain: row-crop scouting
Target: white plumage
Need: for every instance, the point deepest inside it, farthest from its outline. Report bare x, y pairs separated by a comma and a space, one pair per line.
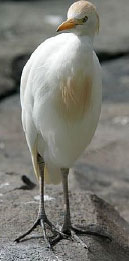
61, 93
61, 99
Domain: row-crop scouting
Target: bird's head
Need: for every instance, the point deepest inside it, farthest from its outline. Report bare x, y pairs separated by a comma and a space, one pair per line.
82, 19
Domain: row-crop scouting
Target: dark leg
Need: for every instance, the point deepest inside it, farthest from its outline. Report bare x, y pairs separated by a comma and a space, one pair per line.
66, 228
42, 219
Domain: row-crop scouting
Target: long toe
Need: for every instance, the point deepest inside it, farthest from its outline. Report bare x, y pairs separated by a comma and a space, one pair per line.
45, 225
37, 223
93, 229
73, 232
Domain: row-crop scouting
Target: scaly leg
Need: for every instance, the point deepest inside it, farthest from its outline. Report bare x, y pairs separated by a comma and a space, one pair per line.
67, 227
42, 219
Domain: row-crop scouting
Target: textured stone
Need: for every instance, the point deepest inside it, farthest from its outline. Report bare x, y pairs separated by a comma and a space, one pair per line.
41, 19
19, 209
102, 169
116, 81
7, 84
20, 36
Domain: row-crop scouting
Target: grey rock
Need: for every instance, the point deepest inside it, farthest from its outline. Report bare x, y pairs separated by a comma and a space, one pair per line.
116, 81
41, 19
17, 67
7, 84
102, 169
19, 209
113, 25
20, 36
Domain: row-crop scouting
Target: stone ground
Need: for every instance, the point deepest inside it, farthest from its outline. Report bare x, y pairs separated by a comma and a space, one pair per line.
99, 181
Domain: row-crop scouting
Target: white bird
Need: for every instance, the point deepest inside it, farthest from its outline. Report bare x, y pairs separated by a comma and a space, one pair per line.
61, 93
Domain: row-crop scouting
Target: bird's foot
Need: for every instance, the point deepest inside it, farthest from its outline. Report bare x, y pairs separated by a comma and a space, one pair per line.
68, 233
72, 232
44, 223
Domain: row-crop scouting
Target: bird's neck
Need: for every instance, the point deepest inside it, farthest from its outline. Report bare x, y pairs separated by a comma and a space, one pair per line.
85, 34
86, 39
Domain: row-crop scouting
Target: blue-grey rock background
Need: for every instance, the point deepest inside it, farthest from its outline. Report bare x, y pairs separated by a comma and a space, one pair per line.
104, 167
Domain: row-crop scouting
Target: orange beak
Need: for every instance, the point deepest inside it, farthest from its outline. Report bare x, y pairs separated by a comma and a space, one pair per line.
69, 24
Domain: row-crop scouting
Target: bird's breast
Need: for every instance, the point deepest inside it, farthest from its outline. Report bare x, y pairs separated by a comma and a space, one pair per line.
74, 97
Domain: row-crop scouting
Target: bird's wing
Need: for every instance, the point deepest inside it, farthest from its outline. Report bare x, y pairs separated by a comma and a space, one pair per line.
39, 56
27, 106
35, 71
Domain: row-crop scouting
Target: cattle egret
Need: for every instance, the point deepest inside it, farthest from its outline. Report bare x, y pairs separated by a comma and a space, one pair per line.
60, 94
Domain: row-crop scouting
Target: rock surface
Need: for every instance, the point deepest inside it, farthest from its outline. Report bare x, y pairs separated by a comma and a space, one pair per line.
116, 81
7, 83
19, 212
19, 37
41, 19
102, 169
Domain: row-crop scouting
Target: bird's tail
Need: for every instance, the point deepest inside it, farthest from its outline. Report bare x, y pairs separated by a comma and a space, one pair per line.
51, 173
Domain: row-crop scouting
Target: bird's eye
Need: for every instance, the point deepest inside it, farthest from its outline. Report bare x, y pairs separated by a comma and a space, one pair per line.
84, 19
